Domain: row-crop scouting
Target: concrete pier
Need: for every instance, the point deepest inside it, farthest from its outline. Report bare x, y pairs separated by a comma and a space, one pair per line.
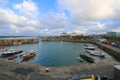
113, 51
18, 41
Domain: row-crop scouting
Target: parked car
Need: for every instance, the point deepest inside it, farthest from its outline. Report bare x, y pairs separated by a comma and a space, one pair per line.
116, 44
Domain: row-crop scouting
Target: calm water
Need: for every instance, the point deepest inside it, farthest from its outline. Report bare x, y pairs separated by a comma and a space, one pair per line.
56, 53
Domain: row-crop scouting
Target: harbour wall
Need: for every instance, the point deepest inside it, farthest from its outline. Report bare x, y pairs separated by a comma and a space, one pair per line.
18, 41
113, 51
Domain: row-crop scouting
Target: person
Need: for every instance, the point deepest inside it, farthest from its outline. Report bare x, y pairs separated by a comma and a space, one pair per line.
47, 69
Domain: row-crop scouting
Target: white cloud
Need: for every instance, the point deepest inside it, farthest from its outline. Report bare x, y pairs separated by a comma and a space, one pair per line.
22, 29
17, 22
27, 8
8, 16
116, 30
87, 14
89, 9
80, 16
54, 20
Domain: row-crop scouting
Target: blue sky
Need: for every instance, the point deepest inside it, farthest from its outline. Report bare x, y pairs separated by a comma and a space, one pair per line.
52, 17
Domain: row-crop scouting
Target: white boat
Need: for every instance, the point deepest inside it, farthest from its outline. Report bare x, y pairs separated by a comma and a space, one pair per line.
10, 52
90, 47
96, 53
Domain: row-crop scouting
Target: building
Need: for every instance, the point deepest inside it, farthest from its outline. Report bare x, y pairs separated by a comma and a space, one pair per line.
73, 34
116, 72
117, 34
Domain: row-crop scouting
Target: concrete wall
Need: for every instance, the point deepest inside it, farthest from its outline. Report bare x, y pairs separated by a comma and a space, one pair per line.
110, 49
18, 41
117, 72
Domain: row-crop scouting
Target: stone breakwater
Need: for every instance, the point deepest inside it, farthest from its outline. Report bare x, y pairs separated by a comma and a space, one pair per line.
18, 41
24, 71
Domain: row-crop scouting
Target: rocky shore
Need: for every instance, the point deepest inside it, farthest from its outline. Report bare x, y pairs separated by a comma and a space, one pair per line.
10, 70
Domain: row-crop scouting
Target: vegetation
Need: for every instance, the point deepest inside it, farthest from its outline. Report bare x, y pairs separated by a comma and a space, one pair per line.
113, 38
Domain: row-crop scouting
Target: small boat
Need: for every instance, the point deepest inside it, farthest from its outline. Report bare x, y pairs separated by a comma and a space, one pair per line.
87, 44
86, 58
79, 59
10, 52
90, 47
96, 53
28, 56
12, 57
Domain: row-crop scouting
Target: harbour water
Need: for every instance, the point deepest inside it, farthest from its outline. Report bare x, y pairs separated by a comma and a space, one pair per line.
57, 53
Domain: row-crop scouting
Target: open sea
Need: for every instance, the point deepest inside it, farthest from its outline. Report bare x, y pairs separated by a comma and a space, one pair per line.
57, 53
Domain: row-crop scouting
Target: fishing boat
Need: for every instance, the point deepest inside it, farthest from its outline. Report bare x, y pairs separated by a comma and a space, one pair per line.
10, 52
12, 57
96, 53
87, 58
89, 47
28, 56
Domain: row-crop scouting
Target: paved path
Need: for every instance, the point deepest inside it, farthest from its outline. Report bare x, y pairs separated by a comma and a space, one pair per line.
25, 71
111, 47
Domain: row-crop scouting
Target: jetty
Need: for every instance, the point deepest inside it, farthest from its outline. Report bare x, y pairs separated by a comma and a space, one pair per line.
113, 51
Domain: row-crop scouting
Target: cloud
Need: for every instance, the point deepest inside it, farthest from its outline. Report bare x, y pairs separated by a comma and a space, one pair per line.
54, 20
9, 17
17, 22
28, 8
80, 16
89, 9
87, 14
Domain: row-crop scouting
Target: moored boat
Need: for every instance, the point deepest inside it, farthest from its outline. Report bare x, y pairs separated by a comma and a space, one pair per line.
10, 52
87, 58
12, 57
96, 53
28, 56
90, 47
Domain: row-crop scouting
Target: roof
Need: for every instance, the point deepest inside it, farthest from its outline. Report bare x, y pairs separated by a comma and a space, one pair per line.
117, 67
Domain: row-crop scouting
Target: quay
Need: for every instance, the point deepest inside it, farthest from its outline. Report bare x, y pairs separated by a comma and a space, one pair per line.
10, 70
113, 51
16, 41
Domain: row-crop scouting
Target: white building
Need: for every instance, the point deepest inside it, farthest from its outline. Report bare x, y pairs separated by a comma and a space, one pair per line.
113, 34
73, 34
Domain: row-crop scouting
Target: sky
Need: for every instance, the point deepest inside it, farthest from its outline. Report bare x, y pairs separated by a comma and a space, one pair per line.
52, 17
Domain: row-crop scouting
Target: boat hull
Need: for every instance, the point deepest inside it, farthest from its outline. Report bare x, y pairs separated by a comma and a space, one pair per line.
12, 57
28, 56
86, 58
96, 53
11, 53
